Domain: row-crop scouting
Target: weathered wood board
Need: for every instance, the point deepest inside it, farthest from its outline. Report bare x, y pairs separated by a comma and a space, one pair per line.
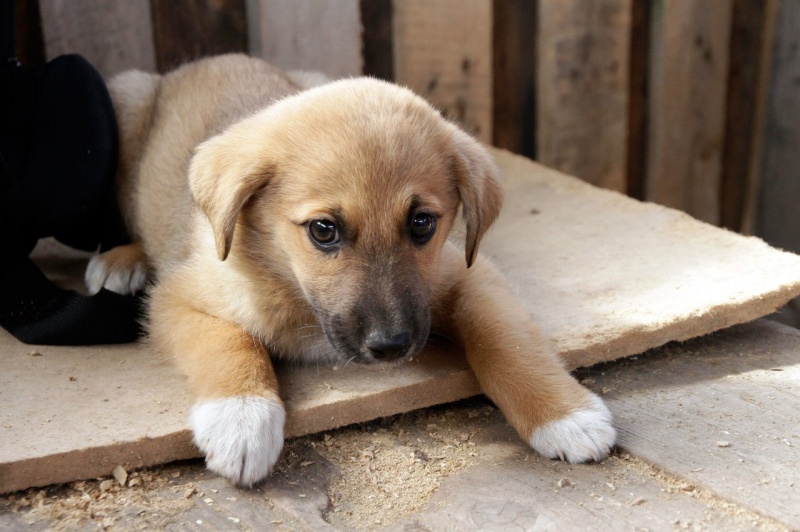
605, 276
582, 72
686, 126
776, 213
443, 51
514, 72
185, 30
722, 413
307, 35
113, 36
397, 474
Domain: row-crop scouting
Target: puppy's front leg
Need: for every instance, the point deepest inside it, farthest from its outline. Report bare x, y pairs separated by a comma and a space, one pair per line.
238, 417
516, 368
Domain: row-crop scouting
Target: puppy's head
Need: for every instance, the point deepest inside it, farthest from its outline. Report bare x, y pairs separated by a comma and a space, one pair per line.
347, 192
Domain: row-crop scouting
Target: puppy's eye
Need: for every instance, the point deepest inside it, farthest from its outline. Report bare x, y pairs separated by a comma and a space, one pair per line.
422, 227
324, 233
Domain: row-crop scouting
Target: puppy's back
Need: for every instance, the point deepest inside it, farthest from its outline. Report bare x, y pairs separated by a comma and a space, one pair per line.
162, 119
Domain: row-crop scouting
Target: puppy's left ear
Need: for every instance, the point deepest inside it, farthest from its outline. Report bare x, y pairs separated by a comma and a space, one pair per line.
480, 188
225, 172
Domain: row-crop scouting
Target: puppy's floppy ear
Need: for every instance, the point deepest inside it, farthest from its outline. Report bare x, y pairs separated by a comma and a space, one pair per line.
480, 188
225, 171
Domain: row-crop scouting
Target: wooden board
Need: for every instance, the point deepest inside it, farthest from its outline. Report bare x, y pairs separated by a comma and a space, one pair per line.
185, 30
462, 467
745, 102
583, 89
443, 51
604, 275
637, 98
113, 36
777, 219
378, 41
514, 76
307, 35
607, 276
72, 413
686, 116
722, 413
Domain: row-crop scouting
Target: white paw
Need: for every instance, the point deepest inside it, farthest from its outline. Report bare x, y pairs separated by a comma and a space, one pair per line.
241, 437
579, 437
123, 279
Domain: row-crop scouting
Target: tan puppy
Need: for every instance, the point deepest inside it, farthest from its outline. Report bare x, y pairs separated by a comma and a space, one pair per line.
314, 225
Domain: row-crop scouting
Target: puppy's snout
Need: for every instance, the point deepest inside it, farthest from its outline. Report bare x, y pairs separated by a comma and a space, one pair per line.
387, 347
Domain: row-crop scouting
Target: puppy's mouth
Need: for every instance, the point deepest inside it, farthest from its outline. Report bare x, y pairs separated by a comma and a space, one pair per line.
376, 344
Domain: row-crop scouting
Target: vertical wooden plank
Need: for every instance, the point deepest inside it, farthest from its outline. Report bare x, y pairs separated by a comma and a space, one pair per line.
190, 29
777, 215
113, 36
28, 29
762, 108
308, 35
583, 83
686, 126
514, 77
443, 51
378, 45
637, 99
746, 47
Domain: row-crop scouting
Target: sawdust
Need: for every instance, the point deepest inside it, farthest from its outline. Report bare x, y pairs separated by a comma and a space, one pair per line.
104, 503
676, 485
392, 470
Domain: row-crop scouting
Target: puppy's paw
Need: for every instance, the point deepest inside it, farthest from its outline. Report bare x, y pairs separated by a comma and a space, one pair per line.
581, 436
122, 270
241, 437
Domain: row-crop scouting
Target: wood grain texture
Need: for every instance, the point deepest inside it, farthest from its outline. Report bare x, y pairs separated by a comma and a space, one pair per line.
777, 215
583, 83
190, 29
113, 36
742, 106
443, 51
514, 89
308, 35
687, 89
721, 412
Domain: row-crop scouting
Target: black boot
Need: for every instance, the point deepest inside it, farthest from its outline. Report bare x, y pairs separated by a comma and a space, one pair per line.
58, 149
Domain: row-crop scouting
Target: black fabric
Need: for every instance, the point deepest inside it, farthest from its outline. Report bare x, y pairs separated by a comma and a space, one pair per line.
58, 150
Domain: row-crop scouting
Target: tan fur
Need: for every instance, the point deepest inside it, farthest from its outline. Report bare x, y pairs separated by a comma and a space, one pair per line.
219, 183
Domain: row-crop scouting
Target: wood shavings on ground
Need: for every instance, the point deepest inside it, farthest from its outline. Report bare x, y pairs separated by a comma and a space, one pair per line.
102, 503
403, 465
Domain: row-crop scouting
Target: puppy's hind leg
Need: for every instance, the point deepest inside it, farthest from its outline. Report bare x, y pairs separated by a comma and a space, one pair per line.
516, 368
122, 269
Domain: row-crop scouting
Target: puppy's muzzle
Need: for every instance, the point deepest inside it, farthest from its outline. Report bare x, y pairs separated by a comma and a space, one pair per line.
386, 347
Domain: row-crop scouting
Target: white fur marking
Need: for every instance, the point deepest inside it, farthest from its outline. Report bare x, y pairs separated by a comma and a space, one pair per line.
122, 280
581, 436
241, 437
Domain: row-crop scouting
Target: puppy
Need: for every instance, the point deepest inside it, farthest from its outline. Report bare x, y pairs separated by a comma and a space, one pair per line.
313, 225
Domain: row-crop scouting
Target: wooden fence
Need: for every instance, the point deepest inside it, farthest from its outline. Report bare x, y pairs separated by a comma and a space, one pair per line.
694, 104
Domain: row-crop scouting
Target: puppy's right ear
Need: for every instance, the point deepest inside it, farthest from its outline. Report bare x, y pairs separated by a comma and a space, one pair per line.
225, 172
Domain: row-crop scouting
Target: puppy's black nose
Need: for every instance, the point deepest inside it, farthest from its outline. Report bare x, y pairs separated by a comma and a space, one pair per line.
385, 347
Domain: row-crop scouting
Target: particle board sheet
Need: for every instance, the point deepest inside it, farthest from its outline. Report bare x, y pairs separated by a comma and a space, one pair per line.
604, 275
